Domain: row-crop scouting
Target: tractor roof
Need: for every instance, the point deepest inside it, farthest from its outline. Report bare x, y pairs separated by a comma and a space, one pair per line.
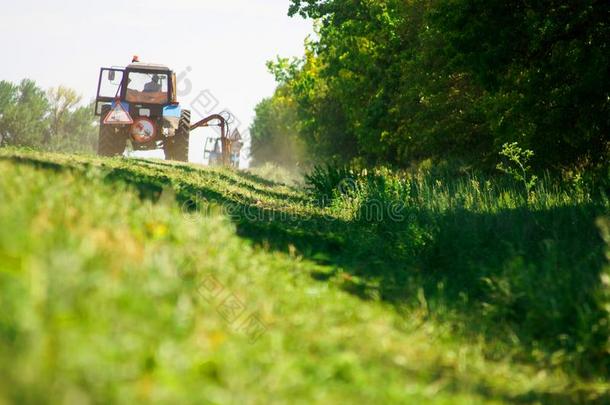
148, 66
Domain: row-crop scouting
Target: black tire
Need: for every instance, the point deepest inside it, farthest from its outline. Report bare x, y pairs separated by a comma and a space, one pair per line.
111, 140
177, 147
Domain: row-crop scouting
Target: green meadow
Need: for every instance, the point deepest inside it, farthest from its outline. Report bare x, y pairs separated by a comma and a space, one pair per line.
138, 281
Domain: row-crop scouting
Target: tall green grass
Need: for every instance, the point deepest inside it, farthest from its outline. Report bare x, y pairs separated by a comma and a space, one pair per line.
524, 271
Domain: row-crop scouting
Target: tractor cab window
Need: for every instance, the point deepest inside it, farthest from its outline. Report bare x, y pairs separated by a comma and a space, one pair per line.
149, 88
110, 83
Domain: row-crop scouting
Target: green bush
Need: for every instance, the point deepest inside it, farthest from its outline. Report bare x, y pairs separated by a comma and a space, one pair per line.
328, 181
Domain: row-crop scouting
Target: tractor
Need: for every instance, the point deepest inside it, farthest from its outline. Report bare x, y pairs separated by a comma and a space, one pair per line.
139, 104
213, 150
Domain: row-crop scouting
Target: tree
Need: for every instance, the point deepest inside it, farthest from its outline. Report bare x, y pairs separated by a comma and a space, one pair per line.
50, 120
23, 111
395, 81
62, 101
544, 69
8, 99
71, 128
274, 138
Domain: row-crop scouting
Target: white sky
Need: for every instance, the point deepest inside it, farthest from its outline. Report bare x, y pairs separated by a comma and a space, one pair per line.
225, 43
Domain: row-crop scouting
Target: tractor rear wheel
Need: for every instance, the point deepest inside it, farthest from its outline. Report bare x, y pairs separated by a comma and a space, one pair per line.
111, 141
177, 147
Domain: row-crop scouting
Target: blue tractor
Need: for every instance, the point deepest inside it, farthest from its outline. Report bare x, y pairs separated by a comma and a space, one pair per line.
139, 104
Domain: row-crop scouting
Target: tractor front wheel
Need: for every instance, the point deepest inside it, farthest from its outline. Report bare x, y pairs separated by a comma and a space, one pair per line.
177, 147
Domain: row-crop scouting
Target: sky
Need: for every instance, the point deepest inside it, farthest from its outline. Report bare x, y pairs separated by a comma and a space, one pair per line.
218, 47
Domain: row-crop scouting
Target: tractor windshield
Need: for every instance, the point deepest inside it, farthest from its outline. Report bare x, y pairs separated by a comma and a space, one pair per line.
149, 88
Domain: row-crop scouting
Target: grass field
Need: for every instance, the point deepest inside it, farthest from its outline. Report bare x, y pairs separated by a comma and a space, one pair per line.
129, 281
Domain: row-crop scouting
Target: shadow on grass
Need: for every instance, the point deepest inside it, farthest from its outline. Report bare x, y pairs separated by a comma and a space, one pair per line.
514, 275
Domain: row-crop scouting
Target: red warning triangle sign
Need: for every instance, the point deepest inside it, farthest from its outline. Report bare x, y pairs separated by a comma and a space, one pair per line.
118, 115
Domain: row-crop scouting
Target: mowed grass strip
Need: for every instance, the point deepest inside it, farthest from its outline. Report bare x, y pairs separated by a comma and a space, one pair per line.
111, 293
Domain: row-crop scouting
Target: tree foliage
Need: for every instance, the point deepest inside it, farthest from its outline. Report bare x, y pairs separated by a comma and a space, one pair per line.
273, 132
395, 81
51, 120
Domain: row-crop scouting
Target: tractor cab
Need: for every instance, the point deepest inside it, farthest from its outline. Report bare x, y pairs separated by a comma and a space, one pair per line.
138, 83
